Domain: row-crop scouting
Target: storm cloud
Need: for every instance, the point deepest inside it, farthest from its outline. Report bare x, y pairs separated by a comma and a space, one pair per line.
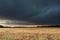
31, 11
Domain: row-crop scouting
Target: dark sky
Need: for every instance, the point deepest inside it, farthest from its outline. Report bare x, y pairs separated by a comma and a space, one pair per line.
31, 11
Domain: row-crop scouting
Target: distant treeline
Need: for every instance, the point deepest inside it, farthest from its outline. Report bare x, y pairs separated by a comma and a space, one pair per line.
1, 26
50, 26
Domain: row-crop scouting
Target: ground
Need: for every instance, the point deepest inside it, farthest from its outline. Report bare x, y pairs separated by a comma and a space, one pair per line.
29, 33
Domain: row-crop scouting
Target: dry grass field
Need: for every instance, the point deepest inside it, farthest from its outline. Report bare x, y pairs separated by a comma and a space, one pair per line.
29, 33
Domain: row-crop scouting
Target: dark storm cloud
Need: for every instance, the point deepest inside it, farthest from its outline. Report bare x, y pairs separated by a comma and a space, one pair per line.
34, 11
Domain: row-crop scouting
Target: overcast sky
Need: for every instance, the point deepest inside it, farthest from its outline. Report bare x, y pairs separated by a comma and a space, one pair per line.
31, 11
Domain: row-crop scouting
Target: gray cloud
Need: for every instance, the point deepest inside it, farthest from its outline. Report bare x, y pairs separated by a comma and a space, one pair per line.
31, 11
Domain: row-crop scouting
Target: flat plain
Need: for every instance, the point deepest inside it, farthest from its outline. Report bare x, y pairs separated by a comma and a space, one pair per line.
29, 33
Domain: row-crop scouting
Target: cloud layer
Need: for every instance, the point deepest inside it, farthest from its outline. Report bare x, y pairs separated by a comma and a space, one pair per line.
31, 11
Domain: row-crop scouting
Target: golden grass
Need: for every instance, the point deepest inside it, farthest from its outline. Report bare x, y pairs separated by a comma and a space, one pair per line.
29, 33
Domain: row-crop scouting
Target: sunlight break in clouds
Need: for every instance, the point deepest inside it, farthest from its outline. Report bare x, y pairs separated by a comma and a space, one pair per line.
7, 21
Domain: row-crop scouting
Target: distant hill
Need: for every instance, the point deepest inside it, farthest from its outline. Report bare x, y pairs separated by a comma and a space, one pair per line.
1, 26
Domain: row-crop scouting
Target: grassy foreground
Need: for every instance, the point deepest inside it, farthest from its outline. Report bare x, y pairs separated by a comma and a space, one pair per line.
29, 33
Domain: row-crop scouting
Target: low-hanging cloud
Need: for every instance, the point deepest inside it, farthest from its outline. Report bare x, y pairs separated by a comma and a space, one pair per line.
31, 11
